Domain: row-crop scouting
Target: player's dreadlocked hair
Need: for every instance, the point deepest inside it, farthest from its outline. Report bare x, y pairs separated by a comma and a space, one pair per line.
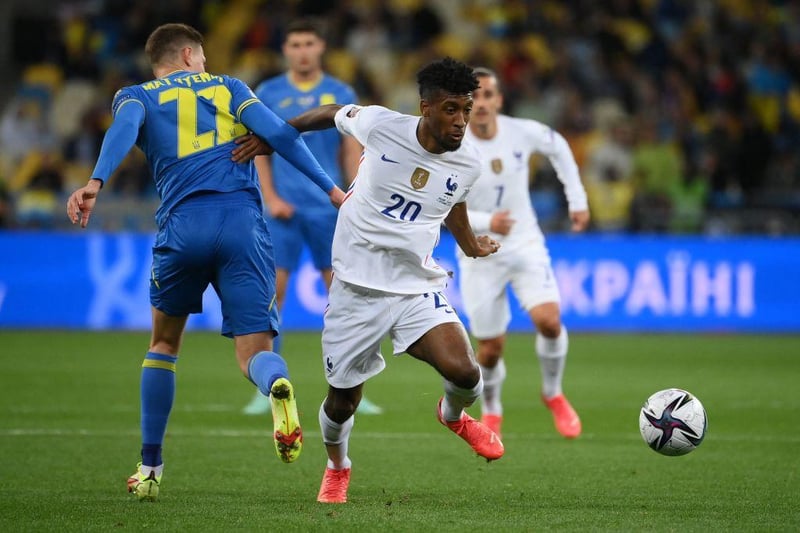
448, 75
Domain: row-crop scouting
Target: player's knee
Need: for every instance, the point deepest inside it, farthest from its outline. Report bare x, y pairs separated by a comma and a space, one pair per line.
341, 413
490, 351
465, 375
549, 325
165, 346
340, 407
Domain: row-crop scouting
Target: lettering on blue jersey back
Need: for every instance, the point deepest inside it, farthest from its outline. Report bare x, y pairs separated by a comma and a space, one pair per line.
200, 77
156, 84
191, 120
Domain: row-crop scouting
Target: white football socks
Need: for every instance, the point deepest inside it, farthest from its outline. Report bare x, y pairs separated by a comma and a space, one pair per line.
336, 438
493, 379
456, 399
552, 359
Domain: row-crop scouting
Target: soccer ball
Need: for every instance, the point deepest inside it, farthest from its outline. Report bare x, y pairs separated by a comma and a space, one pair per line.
673, 422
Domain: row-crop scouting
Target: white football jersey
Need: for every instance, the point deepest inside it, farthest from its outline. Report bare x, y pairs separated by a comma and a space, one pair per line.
504, 178
389, 223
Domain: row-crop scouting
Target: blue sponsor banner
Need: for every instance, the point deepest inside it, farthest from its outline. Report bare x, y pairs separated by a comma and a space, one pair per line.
608, 283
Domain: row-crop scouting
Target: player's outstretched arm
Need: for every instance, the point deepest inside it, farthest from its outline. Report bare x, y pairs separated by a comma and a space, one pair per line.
117, 142
319, 118
457, 222
286, 140
248, 147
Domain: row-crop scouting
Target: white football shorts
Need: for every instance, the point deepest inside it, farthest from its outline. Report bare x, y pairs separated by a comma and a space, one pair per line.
483, 283
358, 319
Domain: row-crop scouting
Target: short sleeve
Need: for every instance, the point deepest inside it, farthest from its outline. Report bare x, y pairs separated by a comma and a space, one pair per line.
358, 121
472, 157
465, 193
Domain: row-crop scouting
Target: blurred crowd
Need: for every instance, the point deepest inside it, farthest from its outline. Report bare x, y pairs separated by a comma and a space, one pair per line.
683, 115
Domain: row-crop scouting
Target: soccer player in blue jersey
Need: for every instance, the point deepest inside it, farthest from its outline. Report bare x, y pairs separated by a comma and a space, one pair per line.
211, 227
298, 212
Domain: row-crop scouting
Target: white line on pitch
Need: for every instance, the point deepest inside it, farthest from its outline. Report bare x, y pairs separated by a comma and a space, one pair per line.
239, 433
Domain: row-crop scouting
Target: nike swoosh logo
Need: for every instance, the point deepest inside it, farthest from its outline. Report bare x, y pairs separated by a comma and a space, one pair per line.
384, 158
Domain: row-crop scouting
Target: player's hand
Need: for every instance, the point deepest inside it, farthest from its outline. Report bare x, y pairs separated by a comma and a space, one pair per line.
337, 197
501, 222
279, 208
486, 246
580, 220
249, 146
81, 203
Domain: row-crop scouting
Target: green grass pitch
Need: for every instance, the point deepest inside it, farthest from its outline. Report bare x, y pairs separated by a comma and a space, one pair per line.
69, 438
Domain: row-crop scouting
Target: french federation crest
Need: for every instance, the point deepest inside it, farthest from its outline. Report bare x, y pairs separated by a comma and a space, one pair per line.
451, 185
497, 166
419, 178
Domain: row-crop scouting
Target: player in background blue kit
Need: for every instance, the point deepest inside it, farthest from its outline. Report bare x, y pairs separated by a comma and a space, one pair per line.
298, 212
211, 227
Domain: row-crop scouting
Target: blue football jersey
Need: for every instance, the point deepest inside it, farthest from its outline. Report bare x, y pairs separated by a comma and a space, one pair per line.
191, 119
288, 100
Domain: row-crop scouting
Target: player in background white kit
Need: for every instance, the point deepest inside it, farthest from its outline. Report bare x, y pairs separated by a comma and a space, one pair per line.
414, 176
500, 203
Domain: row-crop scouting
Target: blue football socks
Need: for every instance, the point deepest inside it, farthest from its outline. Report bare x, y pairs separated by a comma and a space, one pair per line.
264, 368
157, 396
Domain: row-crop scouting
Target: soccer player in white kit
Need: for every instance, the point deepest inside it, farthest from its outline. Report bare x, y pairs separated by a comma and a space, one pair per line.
500, 203
415, 175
